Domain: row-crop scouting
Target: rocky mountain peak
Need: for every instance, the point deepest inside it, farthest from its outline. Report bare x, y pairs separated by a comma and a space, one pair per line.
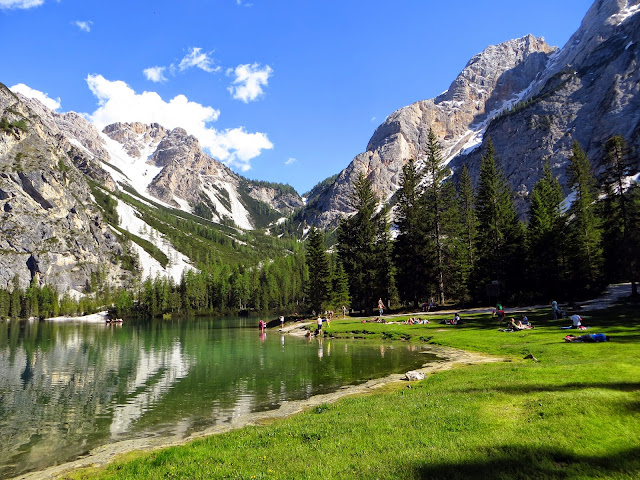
491, 80
178, 147
136, 138
530, 98
588, 92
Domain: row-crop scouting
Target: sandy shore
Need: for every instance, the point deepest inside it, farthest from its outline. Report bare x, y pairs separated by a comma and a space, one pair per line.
101, 456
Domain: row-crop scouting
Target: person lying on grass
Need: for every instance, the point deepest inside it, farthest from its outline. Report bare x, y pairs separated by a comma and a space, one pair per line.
520, 324
416, 321
588, 338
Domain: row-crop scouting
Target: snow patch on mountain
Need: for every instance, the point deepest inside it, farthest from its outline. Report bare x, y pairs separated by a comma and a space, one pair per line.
625, 14
131, 221
139, 174
239, 213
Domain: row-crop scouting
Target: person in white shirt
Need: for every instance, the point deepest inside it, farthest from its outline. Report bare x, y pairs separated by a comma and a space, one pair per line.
577, 320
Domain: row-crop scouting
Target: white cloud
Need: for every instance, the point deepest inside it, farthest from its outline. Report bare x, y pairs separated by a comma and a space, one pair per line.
38, 95
195, 58
373, 119
155, 74
118, 102
20, 3
85, 26
289, 161
249, 81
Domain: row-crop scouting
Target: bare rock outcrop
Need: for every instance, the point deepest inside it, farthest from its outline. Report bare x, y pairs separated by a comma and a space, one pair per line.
589, 92
136, 138
49, 224
490, 80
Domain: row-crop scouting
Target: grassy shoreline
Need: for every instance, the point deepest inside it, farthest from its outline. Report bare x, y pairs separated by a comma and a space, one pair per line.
572, 414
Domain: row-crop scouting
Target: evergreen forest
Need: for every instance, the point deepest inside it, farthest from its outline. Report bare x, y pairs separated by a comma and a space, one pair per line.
451, 241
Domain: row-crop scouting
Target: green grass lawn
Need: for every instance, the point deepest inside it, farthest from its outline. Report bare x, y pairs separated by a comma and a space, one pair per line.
573, 414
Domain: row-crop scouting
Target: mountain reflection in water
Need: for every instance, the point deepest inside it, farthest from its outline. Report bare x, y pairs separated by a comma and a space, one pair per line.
66, 388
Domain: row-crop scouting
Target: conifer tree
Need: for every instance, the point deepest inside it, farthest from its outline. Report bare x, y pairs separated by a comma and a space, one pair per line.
384, 268
15, 309
468, 229
617, 211
453, 247
363, 248
319, 281
411, 251
545, 235
340, 288
438, 204
500, 235
585, 251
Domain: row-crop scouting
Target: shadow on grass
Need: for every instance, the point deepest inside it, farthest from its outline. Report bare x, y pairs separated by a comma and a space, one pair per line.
522, 462
565, 387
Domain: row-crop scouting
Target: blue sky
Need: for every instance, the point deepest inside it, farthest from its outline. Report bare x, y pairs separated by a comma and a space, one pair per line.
286, 91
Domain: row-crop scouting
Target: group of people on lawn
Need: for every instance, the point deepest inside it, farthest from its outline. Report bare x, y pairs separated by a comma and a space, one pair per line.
511, 326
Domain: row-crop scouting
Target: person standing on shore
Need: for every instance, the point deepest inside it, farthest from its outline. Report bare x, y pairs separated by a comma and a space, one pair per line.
319, 325
281, 321
380, 307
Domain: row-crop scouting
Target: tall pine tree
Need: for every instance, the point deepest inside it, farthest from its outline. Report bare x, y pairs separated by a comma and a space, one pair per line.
319, 281
411, 252
500, 236
443, 222
468, 230
545, 235
363, 248
617, 211
585, 251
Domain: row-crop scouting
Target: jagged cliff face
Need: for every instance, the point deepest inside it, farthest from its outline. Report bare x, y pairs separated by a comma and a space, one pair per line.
586, 91
589, 92
137, 139
492, 79
50, 227
175, 170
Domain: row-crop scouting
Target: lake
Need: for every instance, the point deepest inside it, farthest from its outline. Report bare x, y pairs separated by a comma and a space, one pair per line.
66, 388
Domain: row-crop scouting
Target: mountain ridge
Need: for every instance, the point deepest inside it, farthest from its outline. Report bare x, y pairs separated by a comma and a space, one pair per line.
530, 70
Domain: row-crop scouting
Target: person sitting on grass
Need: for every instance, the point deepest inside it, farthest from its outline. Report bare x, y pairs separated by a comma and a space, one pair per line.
513, 325
454, 321
576, 321
588, 338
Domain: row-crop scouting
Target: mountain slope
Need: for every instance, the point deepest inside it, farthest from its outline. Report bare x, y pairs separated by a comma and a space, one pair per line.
589, 92
491, 81
50, 226
77, 204
530, 98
